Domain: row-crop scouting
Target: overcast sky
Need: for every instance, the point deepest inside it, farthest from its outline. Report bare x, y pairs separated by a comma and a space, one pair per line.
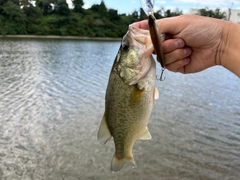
128, 6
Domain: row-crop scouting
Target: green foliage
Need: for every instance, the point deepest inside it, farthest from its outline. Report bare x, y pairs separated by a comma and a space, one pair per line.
159, 14
113, 15
169, 13
53, 17
212, 13
45, 6
78, 4
101, 9
142, 15
61, 8
13, 19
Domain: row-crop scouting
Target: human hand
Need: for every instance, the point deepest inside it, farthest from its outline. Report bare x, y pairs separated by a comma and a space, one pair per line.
194, 42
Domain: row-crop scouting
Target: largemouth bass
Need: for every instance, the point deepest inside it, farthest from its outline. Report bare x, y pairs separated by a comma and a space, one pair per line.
129, 97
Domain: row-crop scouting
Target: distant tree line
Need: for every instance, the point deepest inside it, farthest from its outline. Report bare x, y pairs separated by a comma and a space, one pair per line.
53, 17
212, 13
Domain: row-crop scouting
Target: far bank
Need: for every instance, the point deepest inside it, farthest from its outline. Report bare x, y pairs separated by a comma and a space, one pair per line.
61, 37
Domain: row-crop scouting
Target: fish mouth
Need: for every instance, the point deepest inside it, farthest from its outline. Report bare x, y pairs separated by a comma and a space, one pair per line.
140, 39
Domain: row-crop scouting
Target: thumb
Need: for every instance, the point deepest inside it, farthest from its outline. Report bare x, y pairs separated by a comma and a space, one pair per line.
141, 24
172, 25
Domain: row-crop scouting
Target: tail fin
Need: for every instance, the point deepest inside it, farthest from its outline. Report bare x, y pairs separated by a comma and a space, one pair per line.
117, 164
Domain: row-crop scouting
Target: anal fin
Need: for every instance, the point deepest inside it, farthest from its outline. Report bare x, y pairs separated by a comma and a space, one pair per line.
146, 135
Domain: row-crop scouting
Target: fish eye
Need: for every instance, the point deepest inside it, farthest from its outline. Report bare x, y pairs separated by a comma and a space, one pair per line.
125, 46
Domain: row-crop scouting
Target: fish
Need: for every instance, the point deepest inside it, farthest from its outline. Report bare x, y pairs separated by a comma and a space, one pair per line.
130, 97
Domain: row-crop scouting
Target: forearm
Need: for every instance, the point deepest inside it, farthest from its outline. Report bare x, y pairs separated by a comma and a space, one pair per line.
230, 56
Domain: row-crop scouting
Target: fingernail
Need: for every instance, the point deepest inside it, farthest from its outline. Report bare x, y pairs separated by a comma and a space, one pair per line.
186, 51
178, 43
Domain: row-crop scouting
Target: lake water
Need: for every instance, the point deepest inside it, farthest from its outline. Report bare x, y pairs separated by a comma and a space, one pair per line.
52, 101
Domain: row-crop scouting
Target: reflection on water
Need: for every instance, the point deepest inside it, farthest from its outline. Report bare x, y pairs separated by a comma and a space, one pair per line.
52, 100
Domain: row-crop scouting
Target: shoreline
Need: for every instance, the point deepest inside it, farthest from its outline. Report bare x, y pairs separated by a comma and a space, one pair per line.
61, 37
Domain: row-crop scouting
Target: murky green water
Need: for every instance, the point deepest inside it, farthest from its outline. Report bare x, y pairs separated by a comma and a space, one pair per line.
52, 101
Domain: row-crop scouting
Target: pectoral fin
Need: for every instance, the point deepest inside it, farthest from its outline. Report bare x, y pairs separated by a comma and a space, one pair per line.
146, 135
104, 134
156, 93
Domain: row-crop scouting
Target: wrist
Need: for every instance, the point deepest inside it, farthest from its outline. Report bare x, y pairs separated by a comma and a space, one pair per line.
229, 53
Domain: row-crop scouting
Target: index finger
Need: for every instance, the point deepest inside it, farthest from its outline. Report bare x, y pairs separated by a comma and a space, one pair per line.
141, 24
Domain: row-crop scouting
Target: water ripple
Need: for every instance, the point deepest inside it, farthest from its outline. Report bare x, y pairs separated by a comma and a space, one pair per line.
52, 101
